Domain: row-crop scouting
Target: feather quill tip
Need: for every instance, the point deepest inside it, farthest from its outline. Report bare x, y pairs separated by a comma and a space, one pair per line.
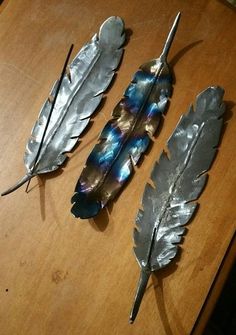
170, 38
21, 182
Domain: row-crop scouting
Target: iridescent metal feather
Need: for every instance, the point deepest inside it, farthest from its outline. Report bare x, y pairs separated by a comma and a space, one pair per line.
126, 136
178, 180
90, 73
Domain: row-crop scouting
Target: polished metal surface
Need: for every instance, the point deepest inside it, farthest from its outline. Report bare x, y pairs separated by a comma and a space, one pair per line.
126, 136
90, 73
178, 180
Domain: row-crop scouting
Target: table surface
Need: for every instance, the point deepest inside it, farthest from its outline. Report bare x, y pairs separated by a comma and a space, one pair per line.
60, 275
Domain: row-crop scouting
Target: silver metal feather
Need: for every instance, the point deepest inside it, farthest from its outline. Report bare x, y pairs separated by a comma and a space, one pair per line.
178, 180
90, 73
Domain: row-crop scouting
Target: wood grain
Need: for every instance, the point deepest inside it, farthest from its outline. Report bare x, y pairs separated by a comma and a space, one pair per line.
65, 276
216, 288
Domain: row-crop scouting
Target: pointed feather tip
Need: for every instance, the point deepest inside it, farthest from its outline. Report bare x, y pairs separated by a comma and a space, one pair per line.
178, 16
83, 207
170, 38
142, 284
132, 316
21, 182
176, 21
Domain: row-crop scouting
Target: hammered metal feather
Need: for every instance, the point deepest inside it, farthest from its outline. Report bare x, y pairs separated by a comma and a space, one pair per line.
126, 136
90, 73
178, 180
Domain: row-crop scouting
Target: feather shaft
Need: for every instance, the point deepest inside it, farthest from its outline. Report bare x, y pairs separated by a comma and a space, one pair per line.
50, 113
21, 182
170, 38
142, 284
30, 175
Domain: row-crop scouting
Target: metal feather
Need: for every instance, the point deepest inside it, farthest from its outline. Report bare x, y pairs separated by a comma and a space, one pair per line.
178, 180
126, 136
81, 91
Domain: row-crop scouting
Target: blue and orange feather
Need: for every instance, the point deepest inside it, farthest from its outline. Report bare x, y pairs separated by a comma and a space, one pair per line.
125, 137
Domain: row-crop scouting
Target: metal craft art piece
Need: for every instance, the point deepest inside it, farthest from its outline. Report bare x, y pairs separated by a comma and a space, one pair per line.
178, 179
126, 136
80, 93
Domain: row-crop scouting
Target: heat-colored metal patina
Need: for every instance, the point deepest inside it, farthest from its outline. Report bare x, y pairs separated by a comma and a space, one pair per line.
126, 136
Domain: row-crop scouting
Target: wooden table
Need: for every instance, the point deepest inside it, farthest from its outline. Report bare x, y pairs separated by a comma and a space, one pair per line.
62, 276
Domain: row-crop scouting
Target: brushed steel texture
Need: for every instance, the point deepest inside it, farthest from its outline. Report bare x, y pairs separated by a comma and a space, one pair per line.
126, 136
178, 180
81, 91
